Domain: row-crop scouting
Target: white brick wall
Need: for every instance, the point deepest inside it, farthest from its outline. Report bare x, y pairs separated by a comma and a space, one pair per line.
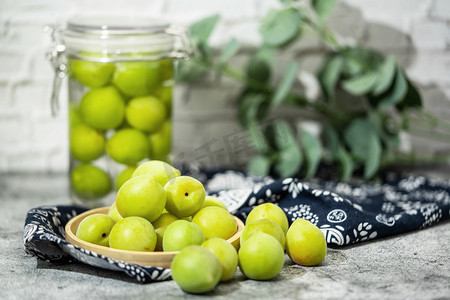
417, 32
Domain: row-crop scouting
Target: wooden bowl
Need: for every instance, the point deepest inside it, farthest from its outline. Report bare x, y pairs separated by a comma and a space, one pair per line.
154, 259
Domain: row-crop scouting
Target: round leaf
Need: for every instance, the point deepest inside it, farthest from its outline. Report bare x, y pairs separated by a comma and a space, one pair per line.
280, 27
312, 148
360, 85
385, 76
259, 165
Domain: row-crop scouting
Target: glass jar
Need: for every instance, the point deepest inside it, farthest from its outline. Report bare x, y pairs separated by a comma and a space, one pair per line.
120, 80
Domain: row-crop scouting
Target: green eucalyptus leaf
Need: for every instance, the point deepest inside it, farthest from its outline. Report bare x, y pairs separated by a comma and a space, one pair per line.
200, 31
332, 140
257, 138
356, 137
285, 85
279, 27
373, 158
260, 65
312, 149
386, 76
323, 8
251, 108
230, 49
397, 93
360, 85
360, 60
289, 162
259, 165
283, 135
290, 157
346, 163
329, 76
412, 97
189, 71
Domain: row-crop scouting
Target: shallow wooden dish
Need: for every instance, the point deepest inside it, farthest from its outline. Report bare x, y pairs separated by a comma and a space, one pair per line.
154, 259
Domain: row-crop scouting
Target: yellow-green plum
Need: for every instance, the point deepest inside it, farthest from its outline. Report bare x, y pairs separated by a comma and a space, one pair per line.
215, 222
103, 108
146, 113
141, 196
213, 201
164, 93
261, 257
166, 70
266, 226
160, 226
305, 243
86, 143
226, 254
128, 146
124, 176
114, 213
196, 270
134, 234
90, 73
160, 142
74, 116
136, 78
95, 229
160, 169
268, 211
90, 182
185, 196
180, 234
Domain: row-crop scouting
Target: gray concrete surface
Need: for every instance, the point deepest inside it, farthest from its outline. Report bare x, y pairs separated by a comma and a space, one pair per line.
409, 266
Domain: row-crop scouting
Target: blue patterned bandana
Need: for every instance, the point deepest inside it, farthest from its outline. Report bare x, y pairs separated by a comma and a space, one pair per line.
345, 213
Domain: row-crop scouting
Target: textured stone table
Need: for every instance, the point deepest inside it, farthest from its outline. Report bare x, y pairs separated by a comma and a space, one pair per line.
410, 266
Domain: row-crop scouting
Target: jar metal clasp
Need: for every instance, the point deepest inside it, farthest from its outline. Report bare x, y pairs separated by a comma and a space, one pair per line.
55, 55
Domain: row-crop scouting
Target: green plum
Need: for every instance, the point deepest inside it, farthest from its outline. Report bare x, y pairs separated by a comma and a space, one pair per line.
86, 143
261, 257
196, 270
226, 254
133, 233
124, 176
128, 146
166, 68
164, 93
95, 229
213, 201
103, 108
215, 222
269, 211
180, 234
146, 113
89, 182
160, 169
266, 226
141, 196
160, 142
185, 196
305, 243
137, 78
114, 213
160, 226
89, 73
74, 116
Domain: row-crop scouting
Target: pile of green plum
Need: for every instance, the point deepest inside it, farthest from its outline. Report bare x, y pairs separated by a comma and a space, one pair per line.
119, 112
261, 255
157, 209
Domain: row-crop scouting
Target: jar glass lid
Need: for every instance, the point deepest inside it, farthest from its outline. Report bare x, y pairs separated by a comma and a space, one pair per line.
114, 38
116, 25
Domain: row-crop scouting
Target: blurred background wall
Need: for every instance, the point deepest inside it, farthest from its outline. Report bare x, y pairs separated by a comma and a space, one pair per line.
31, 140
